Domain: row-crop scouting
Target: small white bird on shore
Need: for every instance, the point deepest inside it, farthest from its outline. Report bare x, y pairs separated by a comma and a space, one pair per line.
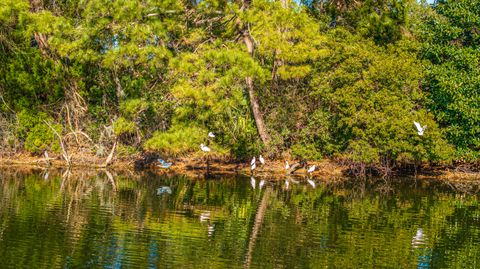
262, 160
211, 134
254, 160
311, 169
204, 148
287, 166
420, 128
253, 166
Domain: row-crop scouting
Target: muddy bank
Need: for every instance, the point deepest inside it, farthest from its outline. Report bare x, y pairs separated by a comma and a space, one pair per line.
195, 166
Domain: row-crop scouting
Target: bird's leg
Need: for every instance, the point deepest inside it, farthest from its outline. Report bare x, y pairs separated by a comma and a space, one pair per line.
208, 164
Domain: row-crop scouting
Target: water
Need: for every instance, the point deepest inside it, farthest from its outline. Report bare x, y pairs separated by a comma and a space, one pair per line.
104, 220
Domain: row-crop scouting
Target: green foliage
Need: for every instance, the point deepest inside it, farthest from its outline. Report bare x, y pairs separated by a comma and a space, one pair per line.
332, 78
123, 126
451, 42
210, 93
375, 96
177, 141
36, 133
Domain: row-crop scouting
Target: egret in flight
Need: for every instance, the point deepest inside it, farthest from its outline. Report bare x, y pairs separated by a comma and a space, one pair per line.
420, 128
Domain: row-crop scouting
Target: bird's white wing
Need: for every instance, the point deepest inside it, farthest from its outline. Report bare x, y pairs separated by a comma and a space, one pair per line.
419, 127
311, 169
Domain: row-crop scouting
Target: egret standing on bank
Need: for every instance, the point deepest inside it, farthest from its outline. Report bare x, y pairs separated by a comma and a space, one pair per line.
420, 128
311, 169
253, 164
287, 166
204, 148
262, 160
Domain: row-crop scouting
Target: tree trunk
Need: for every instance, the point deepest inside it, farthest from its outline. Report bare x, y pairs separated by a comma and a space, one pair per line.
259, 216
257, 114
41, 39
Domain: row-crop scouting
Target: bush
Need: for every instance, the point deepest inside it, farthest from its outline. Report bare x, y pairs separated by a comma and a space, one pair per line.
37, 135
177, 141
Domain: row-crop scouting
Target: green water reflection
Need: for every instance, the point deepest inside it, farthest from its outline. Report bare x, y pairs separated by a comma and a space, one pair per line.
111, 221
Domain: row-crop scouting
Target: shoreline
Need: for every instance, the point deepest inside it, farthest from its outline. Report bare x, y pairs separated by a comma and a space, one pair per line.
197, 167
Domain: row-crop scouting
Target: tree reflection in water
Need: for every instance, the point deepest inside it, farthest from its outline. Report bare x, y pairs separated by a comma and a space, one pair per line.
108, 219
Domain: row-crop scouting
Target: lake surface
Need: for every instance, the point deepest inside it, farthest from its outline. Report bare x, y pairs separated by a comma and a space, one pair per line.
104, 220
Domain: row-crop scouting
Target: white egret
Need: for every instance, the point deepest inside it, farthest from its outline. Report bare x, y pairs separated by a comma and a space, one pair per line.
262, 160
311, 169
253, 166
253, 182
311, 182
211, 134
254, 160
204, 148
420, 128
287, 166
260, 185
